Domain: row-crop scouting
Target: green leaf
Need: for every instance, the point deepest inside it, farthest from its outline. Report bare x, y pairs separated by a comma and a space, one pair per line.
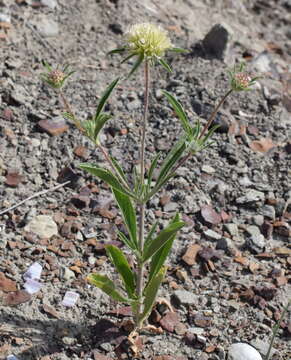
163, 237
171, 159
127, 58
165, 65
128, 214
126, 241
116, 51
149, 237
151, 170
107, 286
161, 255
151, 291
178, 50
106, 176
122, 266
118, 168
136, 64
179, 111
105, 97
99, 123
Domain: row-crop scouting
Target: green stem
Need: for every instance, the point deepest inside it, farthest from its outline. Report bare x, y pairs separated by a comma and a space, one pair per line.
213, 114
208, 124
275, 330
140, 270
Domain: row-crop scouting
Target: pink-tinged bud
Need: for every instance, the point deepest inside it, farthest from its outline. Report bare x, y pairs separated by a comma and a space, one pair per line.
242, 80
56, 77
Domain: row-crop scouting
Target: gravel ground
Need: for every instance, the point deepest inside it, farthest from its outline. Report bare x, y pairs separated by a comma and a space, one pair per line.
229, 270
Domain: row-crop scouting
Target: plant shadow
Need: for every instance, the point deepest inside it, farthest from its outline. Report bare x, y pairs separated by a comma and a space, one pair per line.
37, 339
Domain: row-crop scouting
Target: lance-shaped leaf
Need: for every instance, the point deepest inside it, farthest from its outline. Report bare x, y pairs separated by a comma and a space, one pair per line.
106, 176
165, 65
164, 236
151, 170
161, 255
171, 159
150, 235
105, 97
126, 240
122, 266
116, 51
128, 214
107, 286
179, 111
118, 168
151, 291
178, 50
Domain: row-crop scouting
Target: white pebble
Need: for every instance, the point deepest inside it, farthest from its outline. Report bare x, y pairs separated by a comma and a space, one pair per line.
70, 298
242, 351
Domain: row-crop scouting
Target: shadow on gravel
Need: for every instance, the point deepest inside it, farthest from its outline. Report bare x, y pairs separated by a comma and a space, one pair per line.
40, 338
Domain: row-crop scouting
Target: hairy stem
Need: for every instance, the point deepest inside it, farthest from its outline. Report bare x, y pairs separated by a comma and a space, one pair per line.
213, 114
140, 270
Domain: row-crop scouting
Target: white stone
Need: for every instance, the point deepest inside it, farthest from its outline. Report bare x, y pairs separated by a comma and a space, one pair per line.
49, 3
242, 351
43, 226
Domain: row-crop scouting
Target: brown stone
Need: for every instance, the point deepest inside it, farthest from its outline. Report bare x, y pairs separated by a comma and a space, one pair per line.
82, 152
191, 253
51, 311
169, 321
202, 321
6, 284
13, 179
53, 127
16, 298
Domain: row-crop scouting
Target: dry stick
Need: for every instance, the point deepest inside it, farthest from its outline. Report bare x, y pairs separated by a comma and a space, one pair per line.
43, 192
140, 274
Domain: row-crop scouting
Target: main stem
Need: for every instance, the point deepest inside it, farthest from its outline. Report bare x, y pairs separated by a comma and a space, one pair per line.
140, 270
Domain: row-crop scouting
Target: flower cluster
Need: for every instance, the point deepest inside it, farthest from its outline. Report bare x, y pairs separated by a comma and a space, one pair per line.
240, 80
148, 39
56, 78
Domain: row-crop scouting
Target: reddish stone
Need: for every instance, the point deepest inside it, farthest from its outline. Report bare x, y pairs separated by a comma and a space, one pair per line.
6, 284
16, 298
210, 215
7, 114
13, 179
51, 311
82, 152
53, 127
191, 253
202, 321
169, 321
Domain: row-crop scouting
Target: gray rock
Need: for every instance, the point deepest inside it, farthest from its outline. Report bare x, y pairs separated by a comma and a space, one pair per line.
47, 27
171, 206
208, 169
257, 243
225, 244
232, 229
183, 297
68, 274
216, 41
262, 347
250, 197
253, 230
268, 211
69, 341
43, 226
258, 220
212, 235
262, 63
242, 351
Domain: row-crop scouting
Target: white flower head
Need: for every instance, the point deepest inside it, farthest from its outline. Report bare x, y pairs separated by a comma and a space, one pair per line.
148, 39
